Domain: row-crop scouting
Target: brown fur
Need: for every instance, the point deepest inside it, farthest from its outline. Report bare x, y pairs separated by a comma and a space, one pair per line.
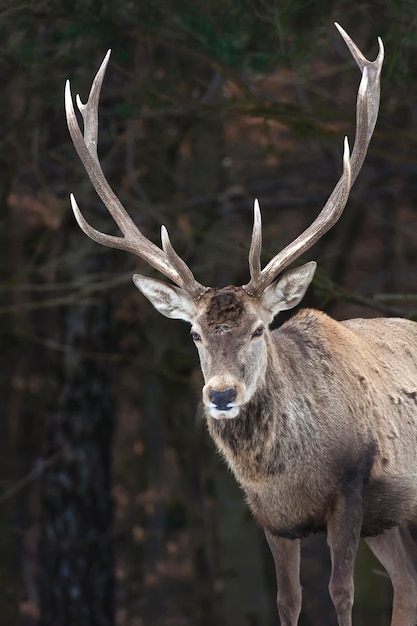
224, 307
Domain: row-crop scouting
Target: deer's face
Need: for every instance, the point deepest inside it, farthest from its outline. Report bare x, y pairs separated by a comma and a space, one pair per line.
230, 336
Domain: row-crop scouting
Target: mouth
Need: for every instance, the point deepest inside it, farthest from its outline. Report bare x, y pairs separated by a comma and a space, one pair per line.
219, 412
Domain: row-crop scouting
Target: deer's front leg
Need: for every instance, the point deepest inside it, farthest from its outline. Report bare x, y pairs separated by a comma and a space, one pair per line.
343, 534
286, 553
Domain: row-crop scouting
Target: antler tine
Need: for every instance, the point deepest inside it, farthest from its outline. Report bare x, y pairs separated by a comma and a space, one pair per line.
133, 240
366, 116
181, 267
256, 245
372, 69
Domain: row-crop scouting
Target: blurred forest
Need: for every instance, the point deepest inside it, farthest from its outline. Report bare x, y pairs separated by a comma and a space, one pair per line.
115, 509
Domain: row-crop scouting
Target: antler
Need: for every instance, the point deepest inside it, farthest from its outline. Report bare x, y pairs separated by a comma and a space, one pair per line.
366, 115
166, 260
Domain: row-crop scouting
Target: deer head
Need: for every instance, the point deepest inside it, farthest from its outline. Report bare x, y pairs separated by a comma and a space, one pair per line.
229, 326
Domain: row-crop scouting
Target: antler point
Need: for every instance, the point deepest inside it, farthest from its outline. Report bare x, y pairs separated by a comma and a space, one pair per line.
346, 147
80, 103
104, 62
256, 211
166, 242
73, 201
381, 49
67, 92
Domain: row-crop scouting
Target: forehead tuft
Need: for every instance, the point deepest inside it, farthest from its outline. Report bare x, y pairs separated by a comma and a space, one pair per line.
225, 307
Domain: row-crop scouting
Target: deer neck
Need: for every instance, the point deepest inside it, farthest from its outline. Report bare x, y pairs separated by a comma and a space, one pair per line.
253, 443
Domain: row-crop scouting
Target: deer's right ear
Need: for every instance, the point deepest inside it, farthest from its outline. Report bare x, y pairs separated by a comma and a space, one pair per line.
171, 301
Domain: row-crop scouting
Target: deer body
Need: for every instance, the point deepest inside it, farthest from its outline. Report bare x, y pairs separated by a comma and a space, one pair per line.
318, 419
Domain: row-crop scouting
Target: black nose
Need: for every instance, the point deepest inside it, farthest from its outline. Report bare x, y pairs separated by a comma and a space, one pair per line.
221, 399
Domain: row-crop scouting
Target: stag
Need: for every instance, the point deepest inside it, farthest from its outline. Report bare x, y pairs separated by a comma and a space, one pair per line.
317, 419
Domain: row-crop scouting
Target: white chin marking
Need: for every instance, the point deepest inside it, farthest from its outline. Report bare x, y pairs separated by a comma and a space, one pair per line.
223, 414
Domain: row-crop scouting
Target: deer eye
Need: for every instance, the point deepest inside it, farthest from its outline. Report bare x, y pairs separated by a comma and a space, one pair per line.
195, 336
258, 332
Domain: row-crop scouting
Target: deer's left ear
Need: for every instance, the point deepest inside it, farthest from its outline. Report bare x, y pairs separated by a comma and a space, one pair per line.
169, 300
286, 292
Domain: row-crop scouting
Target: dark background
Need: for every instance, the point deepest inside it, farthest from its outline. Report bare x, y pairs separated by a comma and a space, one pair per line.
115, 508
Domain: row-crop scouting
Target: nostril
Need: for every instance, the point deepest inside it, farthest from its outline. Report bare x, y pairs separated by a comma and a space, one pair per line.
221, 399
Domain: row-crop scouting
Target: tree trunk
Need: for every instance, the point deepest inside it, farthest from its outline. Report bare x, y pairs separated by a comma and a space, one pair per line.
76, 553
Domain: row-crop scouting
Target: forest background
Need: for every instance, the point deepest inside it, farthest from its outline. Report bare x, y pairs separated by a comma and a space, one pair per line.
115, 508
